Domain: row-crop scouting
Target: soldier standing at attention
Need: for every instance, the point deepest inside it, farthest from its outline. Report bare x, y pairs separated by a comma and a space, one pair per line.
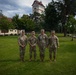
53, 45
22, 41
32, 44
42, 43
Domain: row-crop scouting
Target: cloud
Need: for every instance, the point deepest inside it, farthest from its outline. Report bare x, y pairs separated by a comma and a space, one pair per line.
12, 7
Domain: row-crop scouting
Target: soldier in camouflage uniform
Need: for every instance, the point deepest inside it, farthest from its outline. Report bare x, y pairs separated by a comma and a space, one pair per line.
22, 41
42, 43
32, 43
53, 45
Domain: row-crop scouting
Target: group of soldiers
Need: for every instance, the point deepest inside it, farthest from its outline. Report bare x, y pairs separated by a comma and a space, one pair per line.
43, 42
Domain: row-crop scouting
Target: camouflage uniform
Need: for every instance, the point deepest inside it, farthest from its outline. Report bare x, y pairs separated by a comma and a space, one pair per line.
53, 44
42, 43
32, 44
22, 40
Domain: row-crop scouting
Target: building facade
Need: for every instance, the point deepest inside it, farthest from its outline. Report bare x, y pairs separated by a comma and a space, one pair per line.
38, 7
9, 32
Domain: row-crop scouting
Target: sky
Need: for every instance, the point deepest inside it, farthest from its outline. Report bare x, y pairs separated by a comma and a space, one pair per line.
12, 7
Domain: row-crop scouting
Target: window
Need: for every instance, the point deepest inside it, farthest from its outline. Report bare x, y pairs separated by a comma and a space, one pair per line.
15, 30
11, 30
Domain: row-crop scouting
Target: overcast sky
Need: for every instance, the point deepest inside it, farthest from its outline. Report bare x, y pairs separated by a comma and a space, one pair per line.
12, 7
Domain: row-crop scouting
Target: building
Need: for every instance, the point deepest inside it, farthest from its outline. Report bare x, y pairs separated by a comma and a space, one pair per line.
9, 32
38, 7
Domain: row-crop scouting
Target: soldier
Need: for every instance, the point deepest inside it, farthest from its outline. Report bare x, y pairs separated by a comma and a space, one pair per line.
42, 43
53, 45
32, 44
22, 41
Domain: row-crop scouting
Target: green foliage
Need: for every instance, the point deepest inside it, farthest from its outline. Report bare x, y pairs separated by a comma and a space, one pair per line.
28, 23
38, 19
66, 7
51, 17
16, 21
71, 24
5, 24
24, 22
70, 6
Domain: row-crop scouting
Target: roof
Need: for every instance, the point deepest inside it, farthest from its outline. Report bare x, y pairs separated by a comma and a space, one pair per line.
9, 19
38, 2
0, 16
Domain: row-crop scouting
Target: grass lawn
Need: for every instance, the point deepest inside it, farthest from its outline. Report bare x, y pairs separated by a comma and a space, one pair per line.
10, 64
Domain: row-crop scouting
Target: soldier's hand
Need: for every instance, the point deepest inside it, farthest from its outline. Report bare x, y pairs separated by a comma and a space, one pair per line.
34, 45
23, 45
31, 45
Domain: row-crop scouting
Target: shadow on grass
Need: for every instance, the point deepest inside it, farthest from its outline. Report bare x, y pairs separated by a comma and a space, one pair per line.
18, 60
10, 60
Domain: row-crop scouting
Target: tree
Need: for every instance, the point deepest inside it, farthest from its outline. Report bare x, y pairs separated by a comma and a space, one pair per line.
51, 17
24, 23
5, 24
38, 19
68, 7
28, 23
16, 21
71, 25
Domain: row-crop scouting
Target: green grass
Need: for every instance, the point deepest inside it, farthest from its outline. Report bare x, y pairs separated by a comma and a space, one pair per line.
10, 64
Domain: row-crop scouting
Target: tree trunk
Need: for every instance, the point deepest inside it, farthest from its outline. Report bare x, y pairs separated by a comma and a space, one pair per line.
65, 32
72, 38
64, 29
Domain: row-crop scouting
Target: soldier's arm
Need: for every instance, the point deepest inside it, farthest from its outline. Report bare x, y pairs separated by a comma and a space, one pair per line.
46, 40
19, 42
35, 42
29, 42
57, 41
